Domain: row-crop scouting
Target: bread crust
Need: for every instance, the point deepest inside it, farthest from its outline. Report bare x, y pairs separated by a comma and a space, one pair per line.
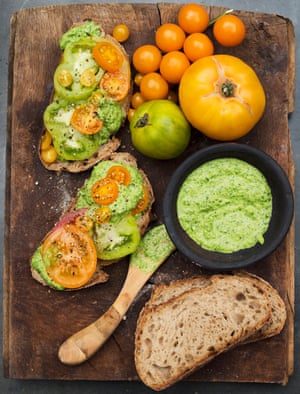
105, 150
154, 353
100, 276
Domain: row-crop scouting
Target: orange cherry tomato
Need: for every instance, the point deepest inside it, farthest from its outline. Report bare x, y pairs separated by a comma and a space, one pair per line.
121, 32
130, 113
70, 256
102, 215
193, 18
137, 78
105, 191
86, 120
137, 99
154, 86
198, 45
116, 84
84, 223
173, 65
119, 174
169, 37
146, 59
108, 56
229, 30
142, 204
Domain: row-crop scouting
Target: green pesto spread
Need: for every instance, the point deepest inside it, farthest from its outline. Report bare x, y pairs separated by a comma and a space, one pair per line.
225, 205
128, 196
153, 249
86, 30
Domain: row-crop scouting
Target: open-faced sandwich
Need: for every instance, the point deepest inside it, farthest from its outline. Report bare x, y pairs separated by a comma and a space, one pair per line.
92, 90
103, 224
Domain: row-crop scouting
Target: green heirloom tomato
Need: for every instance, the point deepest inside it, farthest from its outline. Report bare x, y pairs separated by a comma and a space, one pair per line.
160, 130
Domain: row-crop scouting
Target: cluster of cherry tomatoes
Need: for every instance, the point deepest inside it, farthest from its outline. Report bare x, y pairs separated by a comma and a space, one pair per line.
160, 66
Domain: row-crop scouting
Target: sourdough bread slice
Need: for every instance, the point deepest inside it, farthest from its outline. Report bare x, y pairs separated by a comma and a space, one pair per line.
164, 292
176, 337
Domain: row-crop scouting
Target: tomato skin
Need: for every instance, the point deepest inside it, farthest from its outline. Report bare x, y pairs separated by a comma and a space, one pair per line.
153, 87
219, 117
169, 37
198, 45
159, 130
193, 18
229, 30
146, 59
173, 65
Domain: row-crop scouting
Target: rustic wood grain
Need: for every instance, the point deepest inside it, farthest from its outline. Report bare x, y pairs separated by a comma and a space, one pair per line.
37, 319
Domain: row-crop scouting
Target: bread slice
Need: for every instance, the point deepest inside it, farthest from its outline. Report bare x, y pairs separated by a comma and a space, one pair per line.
164, 292
100, 276
187, 331
105, 150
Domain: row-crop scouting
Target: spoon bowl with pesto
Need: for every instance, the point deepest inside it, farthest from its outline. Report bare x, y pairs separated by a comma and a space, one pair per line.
228, 206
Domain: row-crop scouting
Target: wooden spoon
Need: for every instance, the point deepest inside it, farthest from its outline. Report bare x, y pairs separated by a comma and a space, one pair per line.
152, 251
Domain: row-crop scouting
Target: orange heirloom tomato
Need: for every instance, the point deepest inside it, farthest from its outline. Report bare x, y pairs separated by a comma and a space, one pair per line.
229, 30
198, 45
119, 174
105, 191
70, 256
173, 65
86, 120
169, 37
116, 84
222, 97
193, 18
108, 56
146, 59
153, 86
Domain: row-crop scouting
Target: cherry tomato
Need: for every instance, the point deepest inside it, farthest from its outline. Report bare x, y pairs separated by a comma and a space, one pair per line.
137, 78
108, 56
142, 204
229, 30
119, 174
173, 65
46, 140
84, 223
49, 155
102, 215
121, 32
116, 84
70, 256
154, 86
169, 37
85, 119
130, 113
146, 59
88, 78
137, 99
198, 45
105, 191
193, 18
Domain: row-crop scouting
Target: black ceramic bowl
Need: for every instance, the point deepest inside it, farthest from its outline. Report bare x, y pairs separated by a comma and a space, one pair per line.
282, 210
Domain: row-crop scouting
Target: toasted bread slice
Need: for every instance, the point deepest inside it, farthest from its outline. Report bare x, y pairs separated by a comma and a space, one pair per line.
113, 143
184, 333
142, 221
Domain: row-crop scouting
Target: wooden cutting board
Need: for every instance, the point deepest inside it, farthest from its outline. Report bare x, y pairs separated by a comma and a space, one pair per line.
37, 319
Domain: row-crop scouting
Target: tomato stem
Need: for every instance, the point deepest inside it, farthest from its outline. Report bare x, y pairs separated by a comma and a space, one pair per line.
143, 121
227, 89
219, 16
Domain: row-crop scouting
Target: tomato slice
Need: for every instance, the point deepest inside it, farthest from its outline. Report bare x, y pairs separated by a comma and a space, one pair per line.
105, 191
108, 56
142, 204
116, 84
85, 119
119, 174
70, 256
102, 215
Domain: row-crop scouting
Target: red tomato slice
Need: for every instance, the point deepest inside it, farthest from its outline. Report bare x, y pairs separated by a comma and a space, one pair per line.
105, 191
119, 174
108, 56
116, 84
70, 256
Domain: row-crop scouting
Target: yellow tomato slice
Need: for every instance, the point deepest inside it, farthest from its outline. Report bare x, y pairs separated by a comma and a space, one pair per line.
85, 119
116, 84
70, 256
102, 215
108, 56
119, 174
105, 191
